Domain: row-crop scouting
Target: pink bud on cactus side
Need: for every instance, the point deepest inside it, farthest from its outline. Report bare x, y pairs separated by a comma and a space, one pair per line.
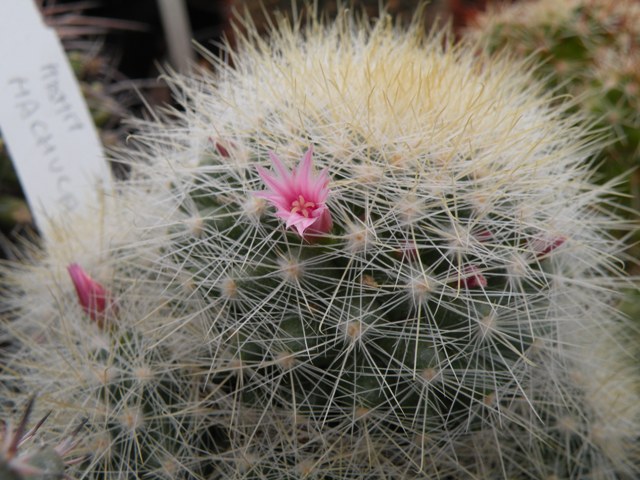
484, 235
299, 196
94, 299
543, 246
220, 148
472, 277
408, 251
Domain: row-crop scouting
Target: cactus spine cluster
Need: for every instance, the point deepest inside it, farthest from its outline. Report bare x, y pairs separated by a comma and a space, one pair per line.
42, 463
446, 317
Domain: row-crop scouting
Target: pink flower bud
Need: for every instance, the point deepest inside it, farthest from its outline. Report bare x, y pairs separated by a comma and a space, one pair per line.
472, 277
543, 246
94, 299
221, 148
408, 251
484, 235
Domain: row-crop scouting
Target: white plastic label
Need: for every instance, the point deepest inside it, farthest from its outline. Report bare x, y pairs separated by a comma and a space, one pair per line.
45, 121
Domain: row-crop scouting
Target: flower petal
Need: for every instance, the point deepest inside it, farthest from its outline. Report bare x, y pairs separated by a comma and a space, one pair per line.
94, 299
285, 178
274, 183
304, 173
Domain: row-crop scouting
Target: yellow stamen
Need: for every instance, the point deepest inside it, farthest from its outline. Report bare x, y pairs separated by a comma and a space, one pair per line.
301, 206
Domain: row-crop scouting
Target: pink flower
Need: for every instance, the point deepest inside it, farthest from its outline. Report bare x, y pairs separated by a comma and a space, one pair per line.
94, 299
299, 195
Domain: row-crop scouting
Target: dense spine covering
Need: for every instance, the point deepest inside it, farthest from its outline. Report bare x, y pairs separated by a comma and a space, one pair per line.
21, 461
439, 325
588, 49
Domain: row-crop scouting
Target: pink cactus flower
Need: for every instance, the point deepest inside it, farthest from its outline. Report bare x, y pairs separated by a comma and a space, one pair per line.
94, 299
299, 196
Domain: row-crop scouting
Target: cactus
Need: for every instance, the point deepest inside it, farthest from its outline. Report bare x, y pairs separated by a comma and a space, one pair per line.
97, 353
45, 463
590, 49
354, 252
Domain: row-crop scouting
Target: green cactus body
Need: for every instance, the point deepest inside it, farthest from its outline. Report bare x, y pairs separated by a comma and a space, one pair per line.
353, 327
7, 473
140, 408
439, 324
49, 462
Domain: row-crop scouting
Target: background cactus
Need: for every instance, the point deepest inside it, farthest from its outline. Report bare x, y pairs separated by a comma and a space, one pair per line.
590, 50
441, 328
42, 463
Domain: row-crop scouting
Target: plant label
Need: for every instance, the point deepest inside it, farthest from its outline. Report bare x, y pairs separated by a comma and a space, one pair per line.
45, 121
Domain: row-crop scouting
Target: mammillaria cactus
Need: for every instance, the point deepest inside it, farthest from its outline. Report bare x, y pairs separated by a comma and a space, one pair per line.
590, 49
357, 252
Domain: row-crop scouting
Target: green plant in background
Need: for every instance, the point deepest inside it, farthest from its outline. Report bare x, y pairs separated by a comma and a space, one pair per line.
353, 252
589, 50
